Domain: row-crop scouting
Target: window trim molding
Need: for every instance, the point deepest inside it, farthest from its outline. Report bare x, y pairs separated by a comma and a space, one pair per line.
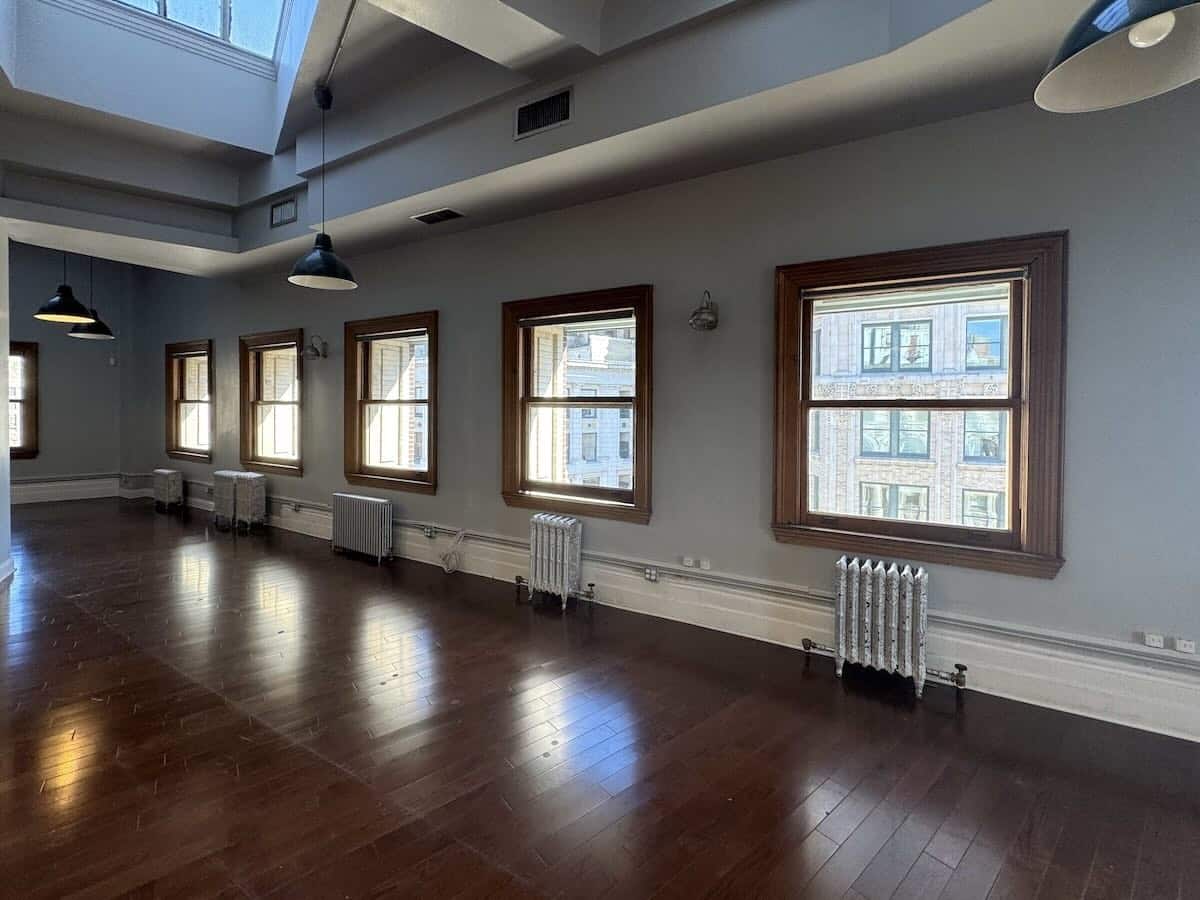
355, 470
176, 351
597, 503
248, 344
28, 350
1038, 370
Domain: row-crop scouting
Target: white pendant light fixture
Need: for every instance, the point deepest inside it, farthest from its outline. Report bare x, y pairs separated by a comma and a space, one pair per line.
1123, 51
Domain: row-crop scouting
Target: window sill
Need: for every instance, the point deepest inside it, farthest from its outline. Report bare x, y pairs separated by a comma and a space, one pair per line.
268, 468
1012, 562
620, 511
391, 483
193, 455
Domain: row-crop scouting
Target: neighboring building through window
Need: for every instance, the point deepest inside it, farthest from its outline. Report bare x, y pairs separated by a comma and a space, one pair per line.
271, 366
189, 400
22, 400
576, 375
935, 430
390, 402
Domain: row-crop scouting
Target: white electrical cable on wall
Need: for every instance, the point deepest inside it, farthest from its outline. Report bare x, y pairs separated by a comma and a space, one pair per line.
453, 556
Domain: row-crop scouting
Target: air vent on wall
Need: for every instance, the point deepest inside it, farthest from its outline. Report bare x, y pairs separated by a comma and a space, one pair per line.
283, 212
549, 112
437, 215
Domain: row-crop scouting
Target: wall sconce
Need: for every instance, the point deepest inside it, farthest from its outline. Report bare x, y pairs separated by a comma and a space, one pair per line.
317, 348
705, 317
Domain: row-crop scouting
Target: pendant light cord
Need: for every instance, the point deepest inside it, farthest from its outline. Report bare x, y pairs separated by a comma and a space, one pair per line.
322, 170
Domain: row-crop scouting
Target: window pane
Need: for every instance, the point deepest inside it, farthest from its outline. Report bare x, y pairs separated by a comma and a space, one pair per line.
14, 423
586, 359
985, 436
923, 481
195, 378
892, 345
202, 14
193, 426
566, 447
254, 24
399, 368
278, 375
983, 509
277, 431
986, 343
396, 436
16, 377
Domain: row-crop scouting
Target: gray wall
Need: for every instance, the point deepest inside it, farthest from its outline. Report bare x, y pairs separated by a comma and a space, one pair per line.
1117, 180
79, 391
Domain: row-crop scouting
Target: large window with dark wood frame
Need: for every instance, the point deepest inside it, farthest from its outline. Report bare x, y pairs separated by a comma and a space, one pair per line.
272, 369
576, 403
391, 402
22, 400
189, 392
934, 420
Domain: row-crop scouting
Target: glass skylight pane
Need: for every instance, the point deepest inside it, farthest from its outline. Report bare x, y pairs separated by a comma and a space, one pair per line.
254, 24
204, 15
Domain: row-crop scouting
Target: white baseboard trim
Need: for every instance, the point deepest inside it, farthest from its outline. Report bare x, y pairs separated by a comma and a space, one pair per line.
1155, 691
51, 490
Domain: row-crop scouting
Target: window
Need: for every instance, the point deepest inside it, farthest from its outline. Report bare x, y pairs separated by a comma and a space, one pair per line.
251, 25
894, 432
189, 400
885, 309
391, 402
271, 367
569, 363
894, 501
985, 436
986, 343
895, 347
22, 400
983, 509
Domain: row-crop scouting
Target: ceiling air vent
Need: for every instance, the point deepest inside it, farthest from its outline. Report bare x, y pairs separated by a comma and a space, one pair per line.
540, 115
437, 215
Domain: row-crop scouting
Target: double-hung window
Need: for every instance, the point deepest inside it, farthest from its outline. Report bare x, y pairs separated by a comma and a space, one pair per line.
576, 372
271, 379
22, 400
959, 460
189, 392
391, 402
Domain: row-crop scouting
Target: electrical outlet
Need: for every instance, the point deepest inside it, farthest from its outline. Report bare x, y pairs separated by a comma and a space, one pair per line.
650, 573
1184, 645
706, 564
689, 562
1153, 640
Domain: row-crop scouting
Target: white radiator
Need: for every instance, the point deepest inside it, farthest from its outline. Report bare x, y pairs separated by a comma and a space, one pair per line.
880, 614
555, 555
362, 524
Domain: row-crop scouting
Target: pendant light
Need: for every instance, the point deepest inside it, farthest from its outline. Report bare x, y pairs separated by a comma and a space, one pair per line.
63, 308
321, 268
96, 330
1123, 51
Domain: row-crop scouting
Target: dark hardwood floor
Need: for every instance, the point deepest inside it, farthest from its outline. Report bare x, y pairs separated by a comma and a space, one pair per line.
188, 714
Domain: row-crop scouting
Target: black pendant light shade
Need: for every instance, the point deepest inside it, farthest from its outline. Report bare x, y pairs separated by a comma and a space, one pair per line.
1123, 51
321, 268
64, 309
96, 331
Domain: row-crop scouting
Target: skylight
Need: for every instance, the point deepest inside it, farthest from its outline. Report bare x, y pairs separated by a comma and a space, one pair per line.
252, 25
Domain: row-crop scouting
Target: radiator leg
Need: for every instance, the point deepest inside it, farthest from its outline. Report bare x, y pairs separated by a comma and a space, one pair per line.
838, 666
920, 688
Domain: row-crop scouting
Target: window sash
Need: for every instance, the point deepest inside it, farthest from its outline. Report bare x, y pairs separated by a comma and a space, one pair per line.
23, 400
396, 470
190, 408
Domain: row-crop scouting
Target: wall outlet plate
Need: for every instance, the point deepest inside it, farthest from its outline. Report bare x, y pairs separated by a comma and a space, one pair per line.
1153, 640
706, 565
689, 562
1185, 645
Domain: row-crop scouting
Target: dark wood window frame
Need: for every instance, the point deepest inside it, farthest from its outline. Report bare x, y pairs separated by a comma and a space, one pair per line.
627, 505
356, 347
1037, 267
249, 346
28, 351
175, 354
